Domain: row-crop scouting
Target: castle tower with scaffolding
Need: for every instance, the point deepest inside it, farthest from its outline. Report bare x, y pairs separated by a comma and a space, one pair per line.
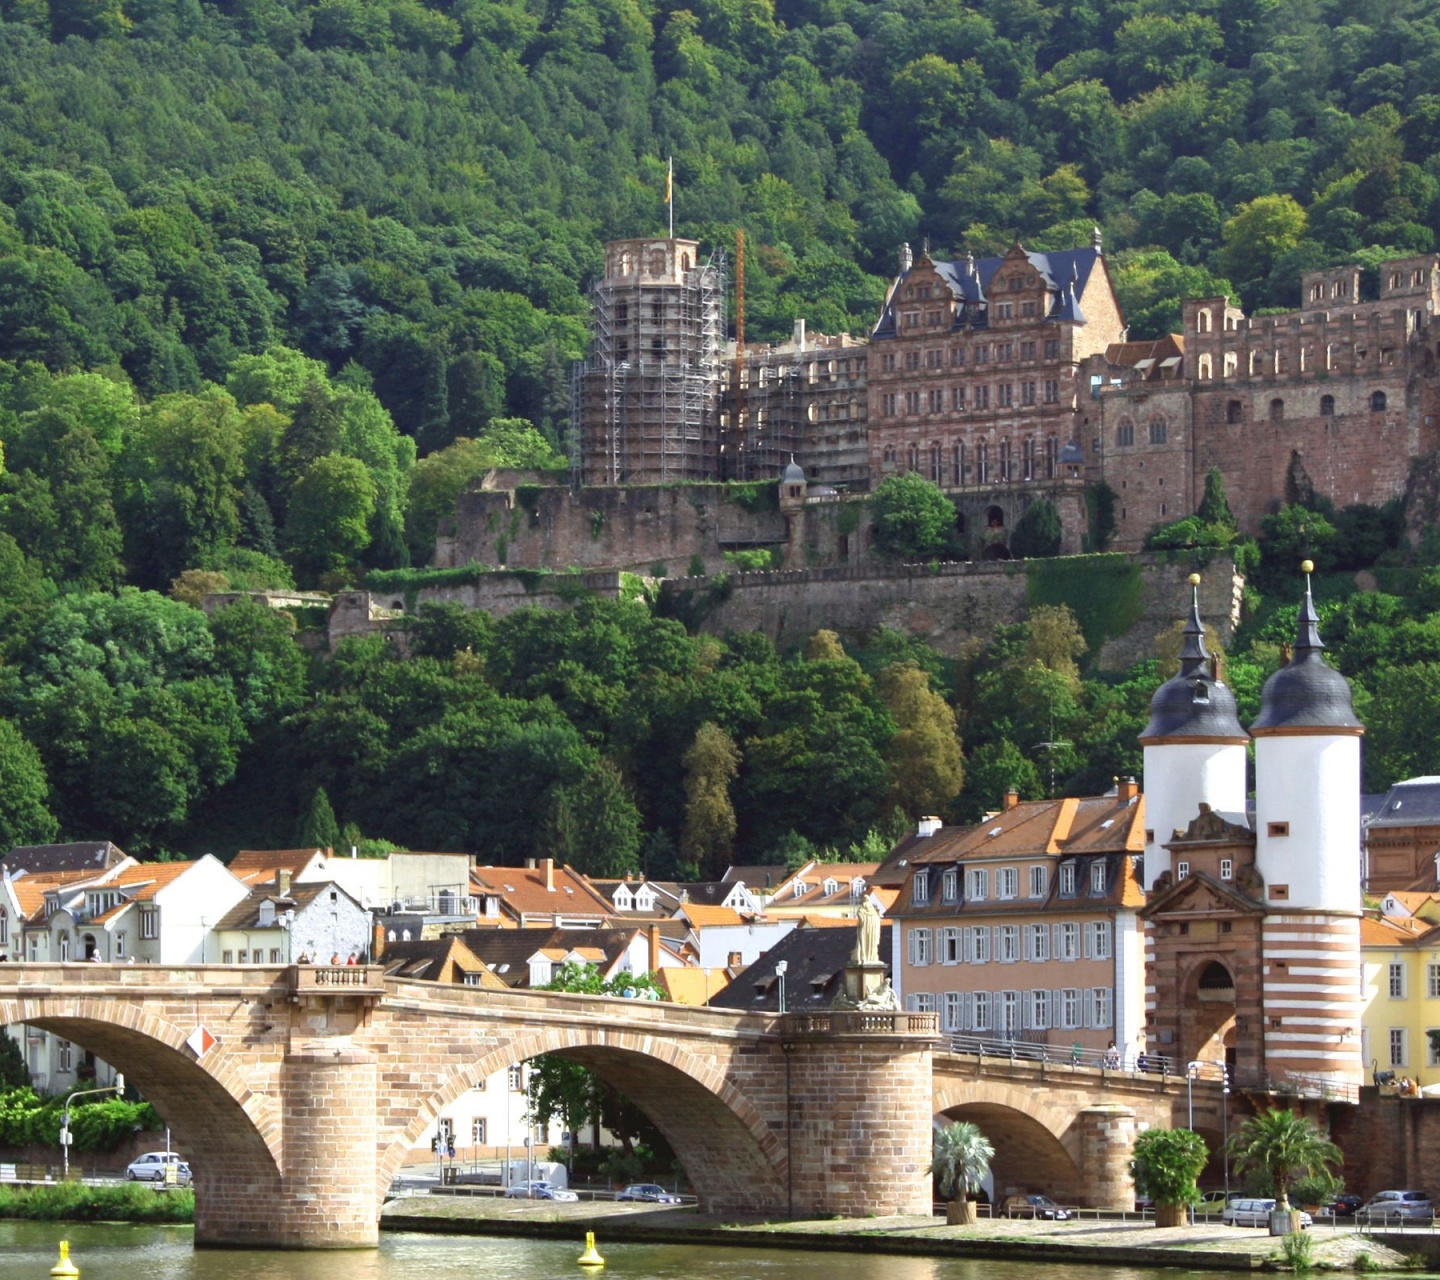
645, 401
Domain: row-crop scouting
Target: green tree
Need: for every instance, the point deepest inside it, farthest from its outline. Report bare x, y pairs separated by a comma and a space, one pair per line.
927, 767
25, 816
1215, 504
913, 519
1259, 234
960, 1163
331, 508
1165, 1165
708, 836
1284, 1145
1037, 532
318, 829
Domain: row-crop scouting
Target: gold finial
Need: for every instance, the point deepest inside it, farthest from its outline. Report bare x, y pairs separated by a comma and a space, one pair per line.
1307, 566
1194, 579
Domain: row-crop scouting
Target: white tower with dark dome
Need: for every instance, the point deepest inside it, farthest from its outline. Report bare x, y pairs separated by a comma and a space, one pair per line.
1195, 748
1307, 853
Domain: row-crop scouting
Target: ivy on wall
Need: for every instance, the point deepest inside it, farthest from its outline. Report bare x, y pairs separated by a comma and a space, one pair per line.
1105, 593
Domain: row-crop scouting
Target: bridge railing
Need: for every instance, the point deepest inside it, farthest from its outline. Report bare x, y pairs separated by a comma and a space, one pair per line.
1074, 1055
862, 1022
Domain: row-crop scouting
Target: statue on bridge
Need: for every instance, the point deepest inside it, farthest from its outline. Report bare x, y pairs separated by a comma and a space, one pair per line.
867, 934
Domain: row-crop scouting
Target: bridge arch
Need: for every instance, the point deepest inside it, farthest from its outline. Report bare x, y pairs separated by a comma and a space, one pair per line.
733, 1157
218, 1120
1037, 1144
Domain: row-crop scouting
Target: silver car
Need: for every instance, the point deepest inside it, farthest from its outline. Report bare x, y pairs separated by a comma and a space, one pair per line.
1255, 1213
538, 1189
1396, 1206
154, 1166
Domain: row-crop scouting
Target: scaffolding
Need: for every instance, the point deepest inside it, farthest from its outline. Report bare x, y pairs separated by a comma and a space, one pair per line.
645, 400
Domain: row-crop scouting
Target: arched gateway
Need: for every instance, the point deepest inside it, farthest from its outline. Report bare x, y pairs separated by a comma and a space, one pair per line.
301, 1089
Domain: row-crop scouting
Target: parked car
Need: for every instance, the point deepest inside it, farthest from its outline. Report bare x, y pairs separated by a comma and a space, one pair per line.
1256, 1213
1034, 1207
1215, 1201
650, 1192
538, 1189
152, 1166
1396, 1206
1345, 1206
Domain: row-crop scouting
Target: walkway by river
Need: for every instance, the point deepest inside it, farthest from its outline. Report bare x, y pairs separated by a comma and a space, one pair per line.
1210, 1246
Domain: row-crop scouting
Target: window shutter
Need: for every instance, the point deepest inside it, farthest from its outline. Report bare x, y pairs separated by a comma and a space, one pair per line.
1085, 941
910, 946
1057, 1008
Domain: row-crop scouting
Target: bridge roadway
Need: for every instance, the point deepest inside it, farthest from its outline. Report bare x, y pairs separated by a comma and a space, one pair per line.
320, 1079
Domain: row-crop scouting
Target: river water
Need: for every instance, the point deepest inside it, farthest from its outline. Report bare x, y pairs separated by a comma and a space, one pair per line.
103, 1252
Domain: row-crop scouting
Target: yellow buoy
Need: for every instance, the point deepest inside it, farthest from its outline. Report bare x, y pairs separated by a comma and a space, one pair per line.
590, 1258
64, 1267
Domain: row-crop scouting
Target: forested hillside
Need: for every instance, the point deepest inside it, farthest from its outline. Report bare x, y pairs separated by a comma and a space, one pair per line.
277, 279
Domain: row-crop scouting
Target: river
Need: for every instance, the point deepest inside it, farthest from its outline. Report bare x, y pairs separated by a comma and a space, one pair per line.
110, 1252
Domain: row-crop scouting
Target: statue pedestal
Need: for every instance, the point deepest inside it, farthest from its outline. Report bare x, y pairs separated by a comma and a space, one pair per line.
863, 983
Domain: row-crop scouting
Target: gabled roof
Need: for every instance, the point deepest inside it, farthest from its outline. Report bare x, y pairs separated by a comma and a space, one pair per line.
1090, 825
507, 952
1065, 275
29, 890
1412, 803
446, 959
523, 893
815, 961
94, 855
759, 878
245, 914
1391, 931
255, 865
701, 916
814, 875
692, 985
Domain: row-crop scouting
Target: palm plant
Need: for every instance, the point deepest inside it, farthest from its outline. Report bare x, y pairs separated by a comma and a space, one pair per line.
961, 1162
1286, 1145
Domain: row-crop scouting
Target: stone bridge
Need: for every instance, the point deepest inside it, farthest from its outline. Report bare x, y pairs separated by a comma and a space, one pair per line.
299, 1090
1068, 1131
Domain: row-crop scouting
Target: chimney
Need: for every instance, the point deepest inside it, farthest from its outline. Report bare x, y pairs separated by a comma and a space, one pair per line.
1127, 789
1012, 798
547, 865
927, 827
905, 258
377, 942
282, 881
800, 335
654, 948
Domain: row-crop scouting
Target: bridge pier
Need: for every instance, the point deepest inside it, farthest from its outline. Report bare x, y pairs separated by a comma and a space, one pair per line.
859, 1103
1107, 1141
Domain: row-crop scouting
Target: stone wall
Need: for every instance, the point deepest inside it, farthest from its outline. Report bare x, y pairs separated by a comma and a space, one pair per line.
946, 604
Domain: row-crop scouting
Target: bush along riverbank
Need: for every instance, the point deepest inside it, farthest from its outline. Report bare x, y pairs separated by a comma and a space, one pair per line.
76, 1202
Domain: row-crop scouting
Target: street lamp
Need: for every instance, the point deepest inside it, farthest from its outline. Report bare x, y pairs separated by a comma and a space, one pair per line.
1225, 1121
780, 968
117, 1089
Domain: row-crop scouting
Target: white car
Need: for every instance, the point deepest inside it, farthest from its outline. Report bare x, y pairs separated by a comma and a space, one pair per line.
538, 1189
153, 1166
1255, 1213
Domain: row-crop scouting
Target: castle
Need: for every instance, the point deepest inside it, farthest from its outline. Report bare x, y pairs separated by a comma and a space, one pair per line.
1009, 379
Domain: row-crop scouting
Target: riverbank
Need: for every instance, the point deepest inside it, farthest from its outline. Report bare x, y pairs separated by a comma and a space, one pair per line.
1205, 1246
88, 1202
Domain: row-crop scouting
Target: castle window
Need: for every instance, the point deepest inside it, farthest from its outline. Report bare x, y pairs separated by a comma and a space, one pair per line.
1377, 401
982, 462
1182, 871
1327, 406
1233, 411
1052, 348
914, 457
957, 399
1158, 430
1277, 829
1052, 390
1052, 457
1227, 869
1277, 410
1206, 370
1005, 465
1125, 433
959, 462
1204, 320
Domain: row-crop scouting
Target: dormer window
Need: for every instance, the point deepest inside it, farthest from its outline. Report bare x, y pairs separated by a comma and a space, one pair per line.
1097, 877
624, 899
949, 884
267, 914
645, 900
799, 889
920, 887
857, 888
831, 886
1067, 879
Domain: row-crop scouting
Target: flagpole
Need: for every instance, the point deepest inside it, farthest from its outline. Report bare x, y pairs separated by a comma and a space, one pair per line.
670, 193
